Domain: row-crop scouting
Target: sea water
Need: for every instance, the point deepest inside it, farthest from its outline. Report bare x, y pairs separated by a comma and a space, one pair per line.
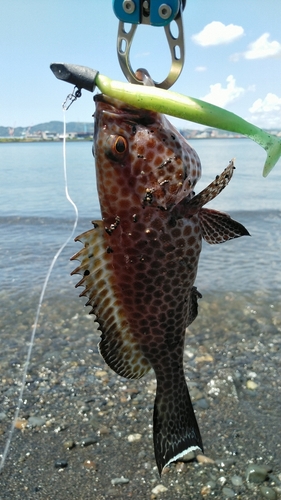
36, 218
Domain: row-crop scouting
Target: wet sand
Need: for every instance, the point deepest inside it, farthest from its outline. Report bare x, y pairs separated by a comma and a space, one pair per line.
72, 439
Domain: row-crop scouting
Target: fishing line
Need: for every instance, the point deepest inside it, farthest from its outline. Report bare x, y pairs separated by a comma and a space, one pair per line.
31, 343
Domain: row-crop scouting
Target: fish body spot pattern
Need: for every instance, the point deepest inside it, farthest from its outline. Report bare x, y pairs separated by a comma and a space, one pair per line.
139, 263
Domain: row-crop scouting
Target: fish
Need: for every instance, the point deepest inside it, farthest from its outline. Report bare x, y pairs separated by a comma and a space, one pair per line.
139, 262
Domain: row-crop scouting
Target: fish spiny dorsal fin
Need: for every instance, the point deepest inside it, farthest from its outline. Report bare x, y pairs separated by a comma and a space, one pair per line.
218, 227
118, 346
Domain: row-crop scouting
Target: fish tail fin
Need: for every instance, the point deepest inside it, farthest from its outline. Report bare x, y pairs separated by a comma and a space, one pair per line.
175, 428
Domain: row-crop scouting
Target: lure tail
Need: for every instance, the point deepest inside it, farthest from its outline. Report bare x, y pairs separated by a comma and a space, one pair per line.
175, 428
273, 151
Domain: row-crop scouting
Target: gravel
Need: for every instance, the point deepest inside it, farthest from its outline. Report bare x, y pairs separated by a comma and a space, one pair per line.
257, 473
85, 433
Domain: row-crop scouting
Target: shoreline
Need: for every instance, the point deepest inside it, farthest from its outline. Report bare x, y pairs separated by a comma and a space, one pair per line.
90, 139
23, 141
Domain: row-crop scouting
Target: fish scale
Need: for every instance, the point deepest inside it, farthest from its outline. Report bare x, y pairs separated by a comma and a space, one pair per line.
139, 263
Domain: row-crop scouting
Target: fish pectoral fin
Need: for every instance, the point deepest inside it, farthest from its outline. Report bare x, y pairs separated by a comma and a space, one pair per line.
188, 207
118, 346
213, 189
218, 227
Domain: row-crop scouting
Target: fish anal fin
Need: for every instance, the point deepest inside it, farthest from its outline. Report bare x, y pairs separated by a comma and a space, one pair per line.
118, 345
218, 227
193, 305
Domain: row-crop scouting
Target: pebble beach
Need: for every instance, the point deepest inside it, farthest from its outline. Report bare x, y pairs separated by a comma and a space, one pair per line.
85, 433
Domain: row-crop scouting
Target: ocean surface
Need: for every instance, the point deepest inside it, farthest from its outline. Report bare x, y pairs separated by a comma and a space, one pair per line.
36, 218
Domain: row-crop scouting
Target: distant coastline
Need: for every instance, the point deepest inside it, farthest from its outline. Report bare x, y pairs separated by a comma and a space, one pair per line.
25, 140
15, 140
83, 131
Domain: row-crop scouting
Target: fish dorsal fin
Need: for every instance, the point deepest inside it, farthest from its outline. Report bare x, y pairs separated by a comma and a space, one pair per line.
118, 345
218, 227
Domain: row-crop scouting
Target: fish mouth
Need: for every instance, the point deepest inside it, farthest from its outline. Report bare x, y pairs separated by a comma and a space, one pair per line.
115, 107
106, 99
108, 104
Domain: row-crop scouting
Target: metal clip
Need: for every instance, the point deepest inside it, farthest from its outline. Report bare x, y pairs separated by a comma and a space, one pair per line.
153, 12
162, 16
71, 98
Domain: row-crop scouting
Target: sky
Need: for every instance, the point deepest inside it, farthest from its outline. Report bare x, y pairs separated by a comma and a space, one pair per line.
232, 57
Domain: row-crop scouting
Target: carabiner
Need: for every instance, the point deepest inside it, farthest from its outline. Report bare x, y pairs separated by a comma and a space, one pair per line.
153, 12
156, 13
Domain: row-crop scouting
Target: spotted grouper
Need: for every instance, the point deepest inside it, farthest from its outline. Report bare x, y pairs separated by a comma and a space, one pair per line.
139, 262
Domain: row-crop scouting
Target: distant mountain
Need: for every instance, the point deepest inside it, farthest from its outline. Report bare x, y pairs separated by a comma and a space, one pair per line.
87, 129
54, 127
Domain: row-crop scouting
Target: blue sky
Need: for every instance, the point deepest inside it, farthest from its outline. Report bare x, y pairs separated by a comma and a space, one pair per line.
233, 56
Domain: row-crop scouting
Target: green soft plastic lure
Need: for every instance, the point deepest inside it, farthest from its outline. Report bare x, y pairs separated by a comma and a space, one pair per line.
189, 108
170, 103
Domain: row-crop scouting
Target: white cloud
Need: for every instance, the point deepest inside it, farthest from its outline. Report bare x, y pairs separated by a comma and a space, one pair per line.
267, 112
223, 96
271, 102
263, 48
200, 68
217, 33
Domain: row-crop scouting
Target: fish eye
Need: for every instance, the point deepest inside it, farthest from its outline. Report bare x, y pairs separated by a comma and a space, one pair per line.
116, 147
120, 145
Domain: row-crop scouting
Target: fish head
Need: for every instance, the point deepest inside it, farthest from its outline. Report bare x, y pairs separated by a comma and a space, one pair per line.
141, 159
